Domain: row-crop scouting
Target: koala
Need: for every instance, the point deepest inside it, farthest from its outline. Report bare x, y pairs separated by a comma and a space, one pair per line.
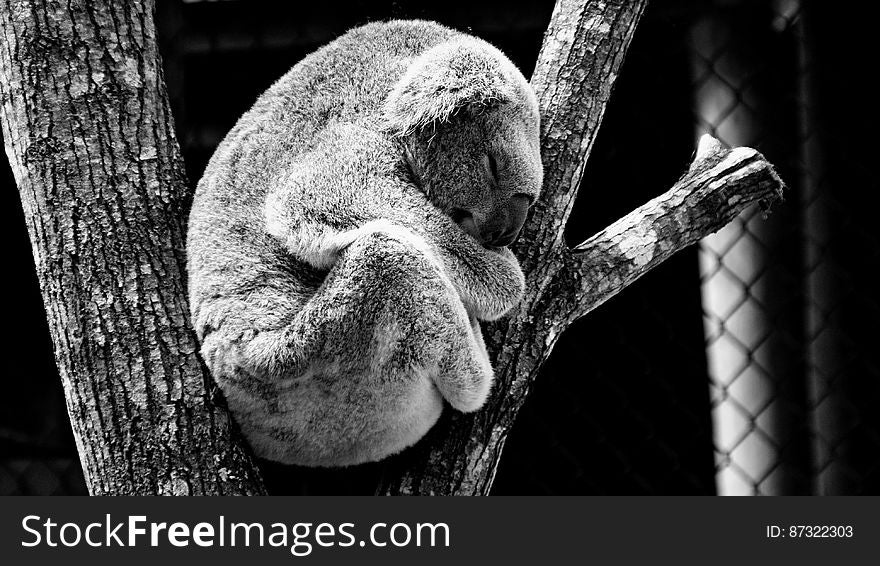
351, 231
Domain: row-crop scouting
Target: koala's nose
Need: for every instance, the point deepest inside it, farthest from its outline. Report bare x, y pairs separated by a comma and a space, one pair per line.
505, 227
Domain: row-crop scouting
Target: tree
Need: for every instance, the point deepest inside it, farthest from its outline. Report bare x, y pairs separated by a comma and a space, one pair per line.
90, 138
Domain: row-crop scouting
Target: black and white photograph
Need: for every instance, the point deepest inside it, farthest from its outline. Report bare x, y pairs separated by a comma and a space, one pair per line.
501, 248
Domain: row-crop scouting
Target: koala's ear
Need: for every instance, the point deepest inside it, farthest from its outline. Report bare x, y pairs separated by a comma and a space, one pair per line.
446, 79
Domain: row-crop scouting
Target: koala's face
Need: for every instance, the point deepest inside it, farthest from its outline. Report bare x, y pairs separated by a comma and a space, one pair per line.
483, 168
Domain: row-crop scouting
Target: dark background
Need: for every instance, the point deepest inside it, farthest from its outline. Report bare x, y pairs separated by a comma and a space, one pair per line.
627, 402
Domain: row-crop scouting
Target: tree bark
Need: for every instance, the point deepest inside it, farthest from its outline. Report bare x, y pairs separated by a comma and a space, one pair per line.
91, 142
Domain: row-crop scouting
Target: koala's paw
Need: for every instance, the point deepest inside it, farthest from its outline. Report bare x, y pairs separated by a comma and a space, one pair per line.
476, 384
495, 292
466, 375
222, 356
256, 354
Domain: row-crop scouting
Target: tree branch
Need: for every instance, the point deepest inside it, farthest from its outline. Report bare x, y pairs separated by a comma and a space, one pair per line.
719, 185
579, 62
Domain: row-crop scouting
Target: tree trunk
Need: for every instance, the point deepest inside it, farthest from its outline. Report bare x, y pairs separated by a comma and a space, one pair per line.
91, 142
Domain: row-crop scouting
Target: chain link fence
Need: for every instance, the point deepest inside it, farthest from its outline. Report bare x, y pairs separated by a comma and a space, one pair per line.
774, 289
751, 294
746, 365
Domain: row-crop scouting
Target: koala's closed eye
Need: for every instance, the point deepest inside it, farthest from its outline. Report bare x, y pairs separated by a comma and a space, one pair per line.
493, 167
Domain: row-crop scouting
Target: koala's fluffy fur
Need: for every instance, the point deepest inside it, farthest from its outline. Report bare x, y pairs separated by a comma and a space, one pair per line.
335, 298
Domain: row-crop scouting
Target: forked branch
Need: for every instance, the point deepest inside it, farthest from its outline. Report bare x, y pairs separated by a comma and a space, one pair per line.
719, 185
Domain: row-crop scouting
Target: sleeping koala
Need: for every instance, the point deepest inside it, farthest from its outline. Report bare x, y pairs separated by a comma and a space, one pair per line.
351, 230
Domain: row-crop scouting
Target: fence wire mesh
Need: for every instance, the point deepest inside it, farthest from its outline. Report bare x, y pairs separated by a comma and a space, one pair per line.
750, 349
771, 286
746, 366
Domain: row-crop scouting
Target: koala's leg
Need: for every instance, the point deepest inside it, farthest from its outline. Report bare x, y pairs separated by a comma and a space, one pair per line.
358, 372
421, 296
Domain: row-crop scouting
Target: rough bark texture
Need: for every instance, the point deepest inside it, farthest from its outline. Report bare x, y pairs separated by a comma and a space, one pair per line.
91, 142
583, 49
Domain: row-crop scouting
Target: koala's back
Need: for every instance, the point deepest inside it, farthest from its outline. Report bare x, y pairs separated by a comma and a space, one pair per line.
230, 255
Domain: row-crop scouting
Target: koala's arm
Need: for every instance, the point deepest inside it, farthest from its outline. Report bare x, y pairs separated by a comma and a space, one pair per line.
489, 282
